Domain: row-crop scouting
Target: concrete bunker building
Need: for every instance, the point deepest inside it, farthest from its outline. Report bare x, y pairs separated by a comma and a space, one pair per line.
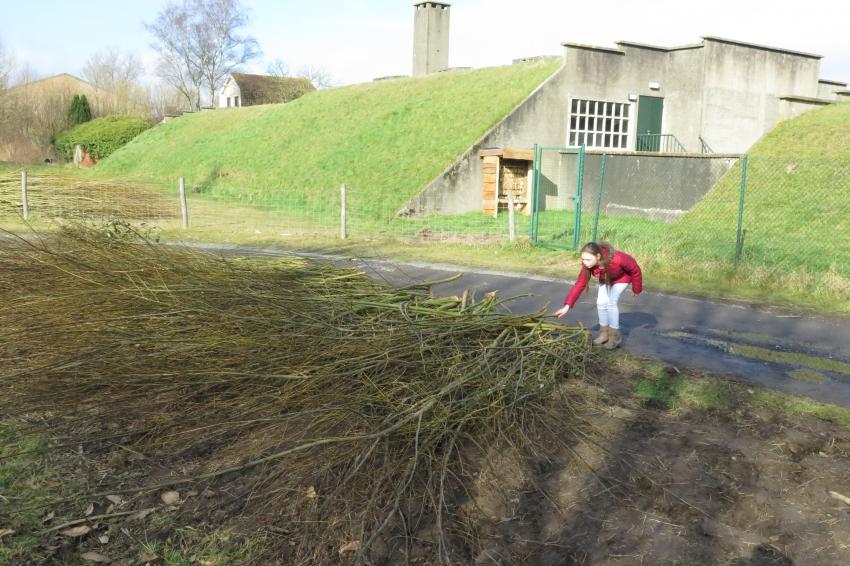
699, 105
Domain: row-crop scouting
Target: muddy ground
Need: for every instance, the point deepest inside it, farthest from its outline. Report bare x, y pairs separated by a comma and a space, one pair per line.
671, 473
746, 487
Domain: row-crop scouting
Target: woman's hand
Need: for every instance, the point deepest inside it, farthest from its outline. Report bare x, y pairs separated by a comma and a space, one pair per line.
562, 311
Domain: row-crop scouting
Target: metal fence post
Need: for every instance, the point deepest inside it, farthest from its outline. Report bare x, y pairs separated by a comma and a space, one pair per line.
24, 197
511, 224
739, 243
535, 183
578, 198
599, 196
184, 206
342, 233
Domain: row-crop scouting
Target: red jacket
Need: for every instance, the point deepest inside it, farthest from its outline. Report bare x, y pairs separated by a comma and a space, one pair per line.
622, 269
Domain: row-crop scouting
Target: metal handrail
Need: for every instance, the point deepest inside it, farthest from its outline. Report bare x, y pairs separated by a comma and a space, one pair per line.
705, 148
666, 143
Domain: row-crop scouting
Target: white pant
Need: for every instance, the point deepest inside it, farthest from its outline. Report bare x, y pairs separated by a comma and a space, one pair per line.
606, 304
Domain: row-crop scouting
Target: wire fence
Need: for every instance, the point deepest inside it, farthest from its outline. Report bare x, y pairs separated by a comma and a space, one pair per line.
768, 216
323, 213
763, 217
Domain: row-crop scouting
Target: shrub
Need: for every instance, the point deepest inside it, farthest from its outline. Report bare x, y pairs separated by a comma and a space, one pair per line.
101, 136
80, 111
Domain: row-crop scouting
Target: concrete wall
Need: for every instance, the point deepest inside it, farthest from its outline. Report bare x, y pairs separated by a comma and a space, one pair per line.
742, 89
539, 119
828, 90
656, 187
682, 92
430, 38
791, 108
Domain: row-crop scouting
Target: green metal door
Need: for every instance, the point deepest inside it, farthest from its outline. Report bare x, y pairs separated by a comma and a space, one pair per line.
650, 109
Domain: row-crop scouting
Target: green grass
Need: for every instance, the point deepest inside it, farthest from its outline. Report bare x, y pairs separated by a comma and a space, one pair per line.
24, 475
32, 474
389, 137
681, 393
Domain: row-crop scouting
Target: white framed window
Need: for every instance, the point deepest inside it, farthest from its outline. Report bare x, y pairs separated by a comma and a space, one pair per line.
236, 101
599, 124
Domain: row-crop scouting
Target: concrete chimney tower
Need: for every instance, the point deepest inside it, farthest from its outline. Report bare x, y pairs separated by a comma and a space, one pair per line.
430, 38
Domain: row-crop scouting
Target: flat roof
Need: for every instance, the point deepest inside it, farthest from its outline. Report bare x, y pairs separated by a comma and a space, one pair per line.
657, 47
705, 38
593, 48
807, 99
757, 46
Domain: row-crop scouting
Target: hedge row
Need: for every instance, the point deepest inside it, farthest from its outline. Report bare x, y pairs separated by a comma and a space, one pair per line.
101, 136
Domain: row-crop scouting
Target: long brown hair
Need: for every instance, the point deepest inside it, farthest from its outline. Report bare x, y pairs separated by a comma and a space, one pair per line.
605, 251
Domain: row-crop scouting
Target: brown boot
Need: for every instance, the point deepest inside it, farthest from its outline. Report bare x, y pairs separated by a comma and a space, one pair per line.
603, 336
613, 338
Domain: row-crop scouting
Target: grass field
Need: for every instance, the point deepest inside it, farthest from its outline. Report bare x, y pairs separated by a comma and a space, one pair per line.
387, 137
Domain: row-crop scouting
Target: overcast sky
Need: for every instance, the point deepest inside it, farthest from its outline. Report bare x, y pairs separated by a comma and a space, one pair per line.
357, 41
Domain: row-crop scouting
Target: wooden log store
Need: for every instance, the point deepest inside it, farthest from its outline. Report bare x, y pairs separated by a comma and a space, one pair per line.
506, 171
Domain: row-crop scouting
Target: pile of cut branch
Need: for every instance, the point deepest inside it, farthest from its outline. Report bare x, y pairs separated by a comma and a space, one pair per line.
339, 409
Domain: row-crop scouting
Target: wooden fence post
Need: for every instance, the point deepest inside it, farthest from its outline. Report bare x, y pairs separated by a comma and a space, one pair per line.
24, 197
184, 207
342, 231
511, 218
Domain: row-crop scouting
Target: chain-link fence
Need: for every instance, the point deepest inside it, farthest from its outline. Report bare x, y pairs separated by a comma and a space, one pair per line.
755, 218
766, 217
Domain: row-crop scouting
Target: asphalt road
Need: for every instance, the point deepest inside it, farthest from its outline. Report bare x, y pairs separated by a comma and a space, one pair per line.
806, 355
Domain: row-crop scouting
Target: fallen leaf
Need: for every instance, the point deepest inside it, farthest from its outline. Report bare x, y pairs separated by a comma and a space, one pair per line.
311, 492
103, 539
352, 546
148, 557
76, 531
89, 510
48, 517
170, 497
141, 515
6, 532
116, 499
191, 493
95, 557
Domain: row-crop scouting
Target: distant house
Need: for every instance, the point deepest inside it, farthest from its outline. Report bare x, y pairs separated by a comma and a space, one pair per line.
34, 113
241, 89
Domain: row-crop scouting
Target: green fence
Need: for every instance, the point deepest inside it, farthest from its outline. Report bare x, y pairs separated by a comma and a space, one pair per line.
766, 217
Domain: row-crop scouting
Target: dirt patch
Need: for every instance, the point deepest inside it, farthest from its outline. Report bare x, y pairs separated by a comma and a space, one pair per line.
640, 483
428, 235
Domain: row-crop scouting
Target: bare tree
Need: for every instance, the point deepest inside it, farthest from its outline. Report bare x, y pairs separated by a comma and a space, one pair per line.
199, 43
278, 68
319, 76
163, 99
112, 69
7, 66
119, 73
